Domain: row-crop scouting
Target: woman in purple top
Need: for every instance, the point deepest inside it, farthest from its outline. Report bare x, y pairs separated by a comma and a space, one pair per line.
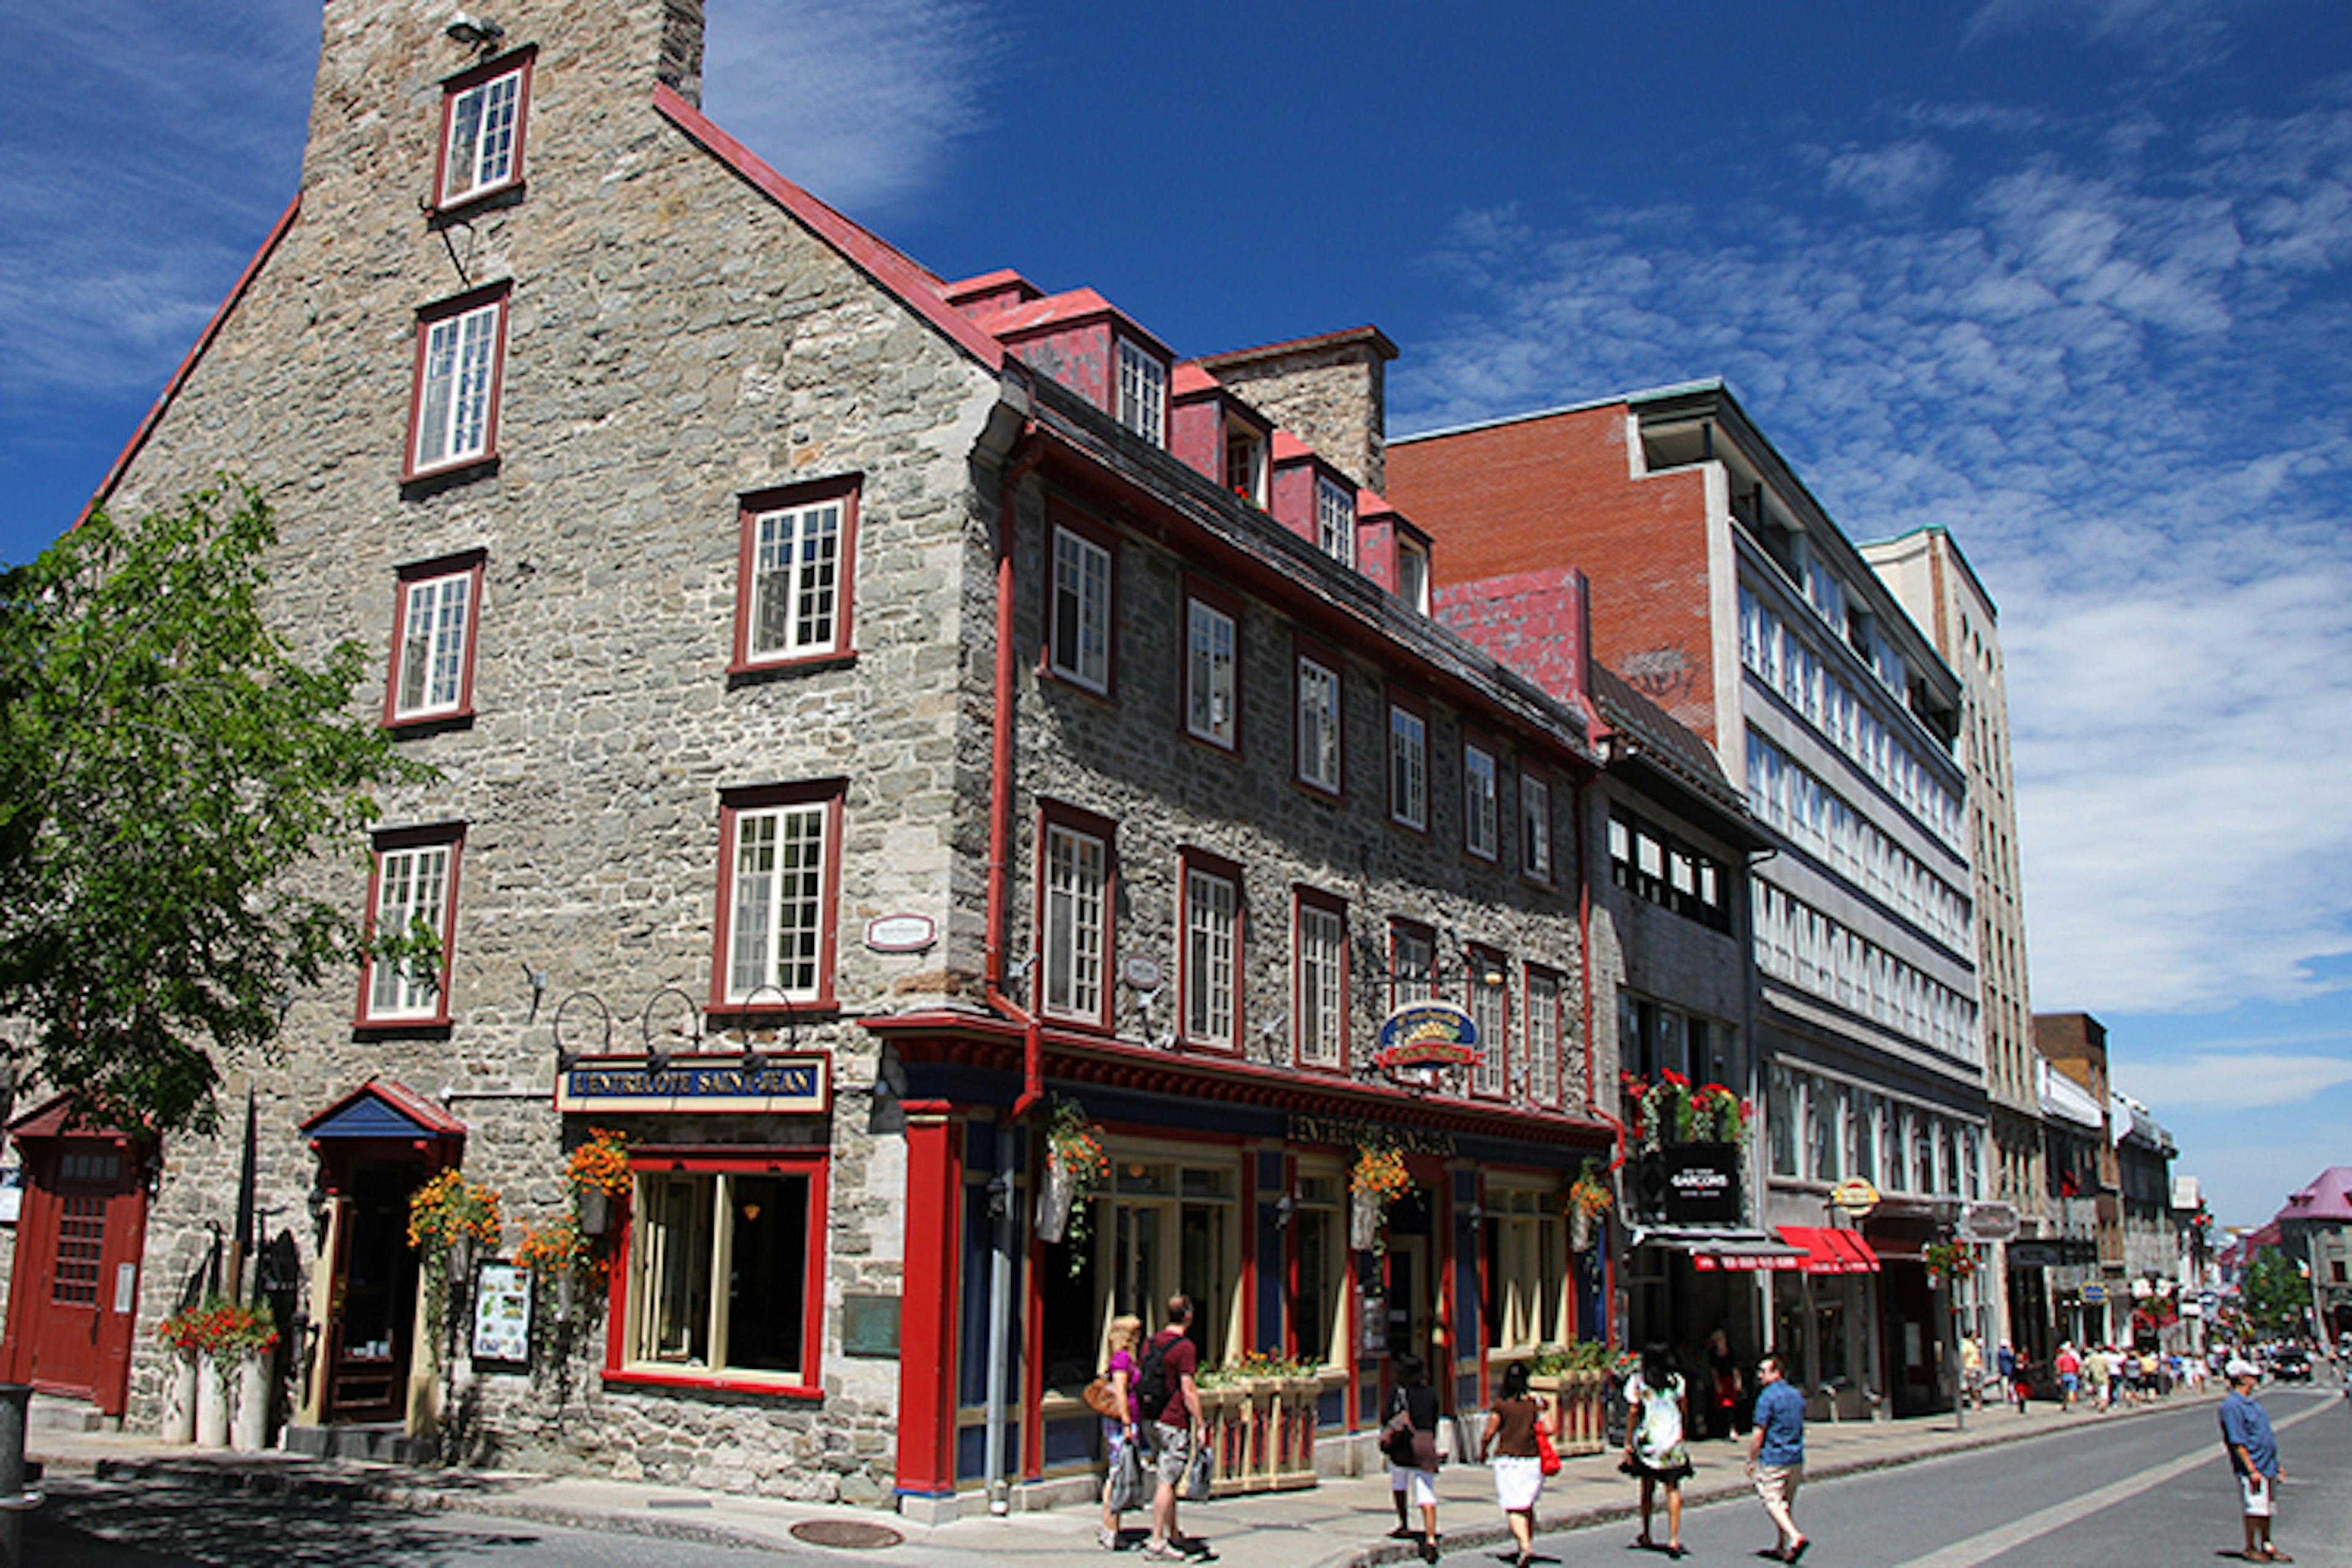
1119, 1435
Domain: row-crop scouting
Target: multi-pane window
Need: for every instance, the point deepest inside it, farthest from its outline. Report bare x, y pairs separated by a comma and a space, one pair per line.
1412, 961
1481, 804
1408, 766
433, 643
780, 900
1321, 1005
1080, 632
454, 411
414, 900
722, 1275
1319, 723
1246, 464
1074, 929
793, 599
1543, 1035
1335, 519
1412, 576
1489, 987
1142, 392
1526, 1280
1212, 646
1211, 954
482, 126
1535, 828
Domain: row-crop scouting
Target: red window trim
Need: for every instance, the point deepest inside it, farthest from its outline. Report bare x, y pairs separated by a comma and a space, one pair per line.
1060, 515
514, 60
1077, 819
1419, 709
467, 563
848, 489
815, 1163
1479, 741
500, 294
1303, 897
1303, 648
1550, 877
1209, 864
829, 793
1529, 972
1480, 960
1226, 605
453, 834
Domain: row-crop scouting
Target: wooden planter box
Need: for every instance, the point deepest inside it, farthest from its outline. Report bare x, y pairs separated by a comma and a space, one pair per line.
1261, 1431
1581, 1399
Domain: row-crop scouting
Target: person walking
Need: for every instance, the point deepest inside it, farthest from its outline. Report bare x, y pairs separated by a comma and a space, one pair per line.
1514, 1453
1776, 1458
1971, 1371
2254, 1456
1655, 1450
1409, 1438
1175, 1420
1723, 1386
1119, 1431
2069, 1367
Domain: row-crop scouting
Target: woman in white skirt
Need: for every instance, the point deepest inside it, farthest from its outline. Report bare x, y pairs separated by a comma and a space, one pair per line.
1516, 1457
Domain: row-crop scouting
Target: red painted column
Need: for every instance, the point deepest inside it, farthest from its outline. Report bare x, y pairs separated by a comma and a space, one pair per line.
927, 1310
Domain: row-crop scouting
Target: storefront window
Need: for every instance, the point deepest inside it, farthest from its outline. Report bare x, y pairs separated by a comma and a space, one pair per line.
1316, 1322
1160, 1229
720, 1275
1526, 1301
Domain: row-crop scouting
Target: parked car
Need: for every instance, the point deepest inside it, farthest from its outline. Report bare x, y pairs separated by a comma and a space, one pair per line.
2290, 1365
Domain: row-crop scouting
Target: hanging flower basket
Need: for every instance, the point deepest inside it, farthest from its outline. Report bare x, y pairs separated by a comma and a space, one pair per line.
1378, 1179
598, 1171
1075, 1167
1589, 1203
1947, 1260
1053, 1203
1365, 1212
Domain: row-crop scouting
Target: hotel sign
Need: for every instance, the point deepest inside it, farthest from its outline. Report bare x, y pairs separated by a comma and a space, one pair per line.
779, 1086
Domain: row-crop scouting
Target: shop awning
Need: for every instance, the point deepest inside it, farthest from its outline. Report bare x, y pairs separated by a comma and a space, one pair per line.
1828, 1250
1714, 1248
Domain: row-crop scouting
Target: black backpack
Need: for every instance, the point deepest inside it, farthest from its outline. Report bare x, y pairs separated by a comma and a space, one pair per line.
1152, 1378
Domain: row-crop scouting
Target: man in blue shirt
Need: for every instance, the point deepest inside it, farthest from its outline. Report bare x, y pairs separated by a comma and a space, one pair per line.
2253, 1454
1776, 1456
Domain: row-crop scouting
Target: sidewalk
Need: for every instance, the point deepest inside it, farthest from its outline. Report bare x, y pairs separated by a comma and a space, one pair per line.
1342, 1523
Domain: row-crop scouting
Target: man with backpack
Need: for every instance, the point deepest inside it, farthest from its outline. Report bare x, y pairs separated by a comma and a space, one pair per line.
1167, 1396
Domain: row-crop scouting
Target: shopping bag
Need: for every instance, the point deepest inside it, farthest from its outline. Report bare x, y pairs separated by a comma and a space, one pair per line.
1126, 1488
1196, 1476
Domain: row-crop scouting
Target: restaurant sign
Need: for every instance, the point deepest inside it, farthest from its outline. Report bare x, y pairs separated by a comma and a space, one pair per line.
1700, 1183
778, 1085
1423, 1037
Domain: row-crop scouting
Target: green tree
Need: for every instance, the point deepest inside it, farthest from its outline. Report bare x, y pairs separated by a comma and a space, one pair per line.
2274, 1296
164, 762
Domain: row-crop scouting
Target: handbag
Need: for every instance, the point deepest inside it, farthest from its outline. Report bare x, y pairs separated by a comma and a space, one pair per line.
1546, 1456
1101, 1398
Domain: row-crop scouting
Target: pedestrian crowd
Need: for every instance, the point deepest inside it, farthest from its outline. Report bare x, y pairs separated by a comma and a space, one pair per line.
2077, 1377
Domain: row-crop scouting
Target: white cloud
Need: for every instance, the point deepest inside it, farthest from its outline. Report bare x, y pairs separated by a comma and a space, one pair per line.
1889, 177
860, 102
2232, 1080
2109, 373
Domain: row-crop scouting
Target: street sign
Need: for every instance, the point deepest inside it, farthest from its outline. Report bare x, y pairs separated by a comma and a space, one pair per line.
2094, 1293
1988, 1222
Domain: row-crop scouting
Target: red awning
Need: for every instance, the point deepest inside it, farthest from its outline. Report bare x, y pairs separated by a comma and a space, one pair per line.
1829, 1250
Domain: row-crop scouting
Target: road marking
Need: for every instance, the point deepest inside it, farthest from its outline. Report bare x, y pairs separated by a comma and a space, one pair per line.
1984, 1548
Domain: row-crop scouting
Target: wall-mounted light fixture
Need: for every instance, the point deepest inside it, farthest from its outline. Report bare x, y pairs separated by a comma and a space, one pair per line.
474, 32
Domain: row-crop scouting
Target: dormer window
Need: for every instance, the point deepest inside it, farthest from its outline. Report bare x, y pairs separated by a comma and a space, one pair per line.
1412, 575
1246, 464
482, 115
1142, 392
1335, 519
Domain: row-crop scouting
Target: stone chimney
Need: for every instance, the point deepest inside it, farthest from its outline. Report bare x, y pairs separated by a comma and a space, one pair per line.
1331, 391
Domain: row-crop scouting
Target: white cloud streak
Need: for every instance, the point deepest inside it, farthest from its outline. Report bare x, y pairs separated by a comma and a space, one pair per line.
2234, 1080
2105, 362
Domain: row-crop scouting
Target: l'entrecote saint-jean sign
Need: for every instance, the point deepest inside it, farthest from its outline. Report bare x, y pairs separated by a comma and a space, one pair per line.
779, 1084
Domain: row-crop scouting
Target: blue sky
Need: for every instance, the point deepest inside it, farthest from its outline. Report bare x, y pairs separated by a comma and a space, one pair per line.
2068, 276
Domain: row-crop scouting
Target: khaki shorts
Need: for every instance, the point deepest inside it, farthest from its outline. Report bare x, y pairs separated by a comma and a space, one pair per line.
1172, 1451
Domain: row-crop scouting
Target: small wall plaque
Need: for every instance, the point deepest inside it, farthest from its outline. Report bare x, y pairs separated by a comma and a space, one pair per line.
901, 934
869, 1326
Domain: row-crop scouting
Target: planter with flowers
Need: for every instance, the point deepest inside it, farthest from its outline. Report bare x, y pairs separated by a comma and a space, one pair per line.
1378, 1179
1589, 1203
448, 1218
1076, 1166
598, 1173
226, 1347
1947, 1260
561, 1258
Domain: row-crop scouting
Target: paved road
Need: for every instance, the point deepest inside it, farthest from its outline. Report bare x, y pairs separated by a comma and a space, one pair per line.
2149, 1493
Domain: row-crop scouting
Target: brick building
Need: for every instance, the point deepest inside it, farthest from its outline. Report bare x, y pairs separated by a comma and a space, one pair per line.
2090, 1299
1724, 593
870, 711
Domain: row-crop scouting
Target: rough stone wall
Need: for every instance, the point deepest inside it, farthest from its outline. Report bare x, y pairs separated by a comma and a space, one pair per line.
674, 343
1331, 393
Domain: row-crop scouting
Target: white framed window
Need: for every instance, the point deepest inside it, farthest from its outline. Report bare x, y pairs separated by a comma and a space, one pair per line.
1319, 723
792, 593
1075, 930
1412, 963
1142, 392
726, 1272
1335, 519
1489, 989
1211, 954
1211, 667
1246, 464
1321, 970
432, 641
482, 119
779, 881
413, 895
1481, 801
453, 415
1543, 1035
1081, 632
1535, 826
1412, 575
1408, 767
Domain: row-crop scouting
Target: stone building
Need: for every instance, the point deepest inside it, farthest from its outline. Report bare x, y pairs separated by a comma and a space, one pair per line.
875, 716
1726, 593
2090, 1297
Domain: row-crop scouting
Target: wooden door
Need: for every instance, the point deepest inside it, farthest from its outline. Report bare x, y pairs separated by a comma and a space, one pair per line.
74, 1294
373, 1316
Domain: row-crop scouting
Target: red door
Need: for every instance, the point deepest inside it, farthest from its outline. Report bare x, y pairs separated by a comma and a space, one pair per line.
73, 1295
